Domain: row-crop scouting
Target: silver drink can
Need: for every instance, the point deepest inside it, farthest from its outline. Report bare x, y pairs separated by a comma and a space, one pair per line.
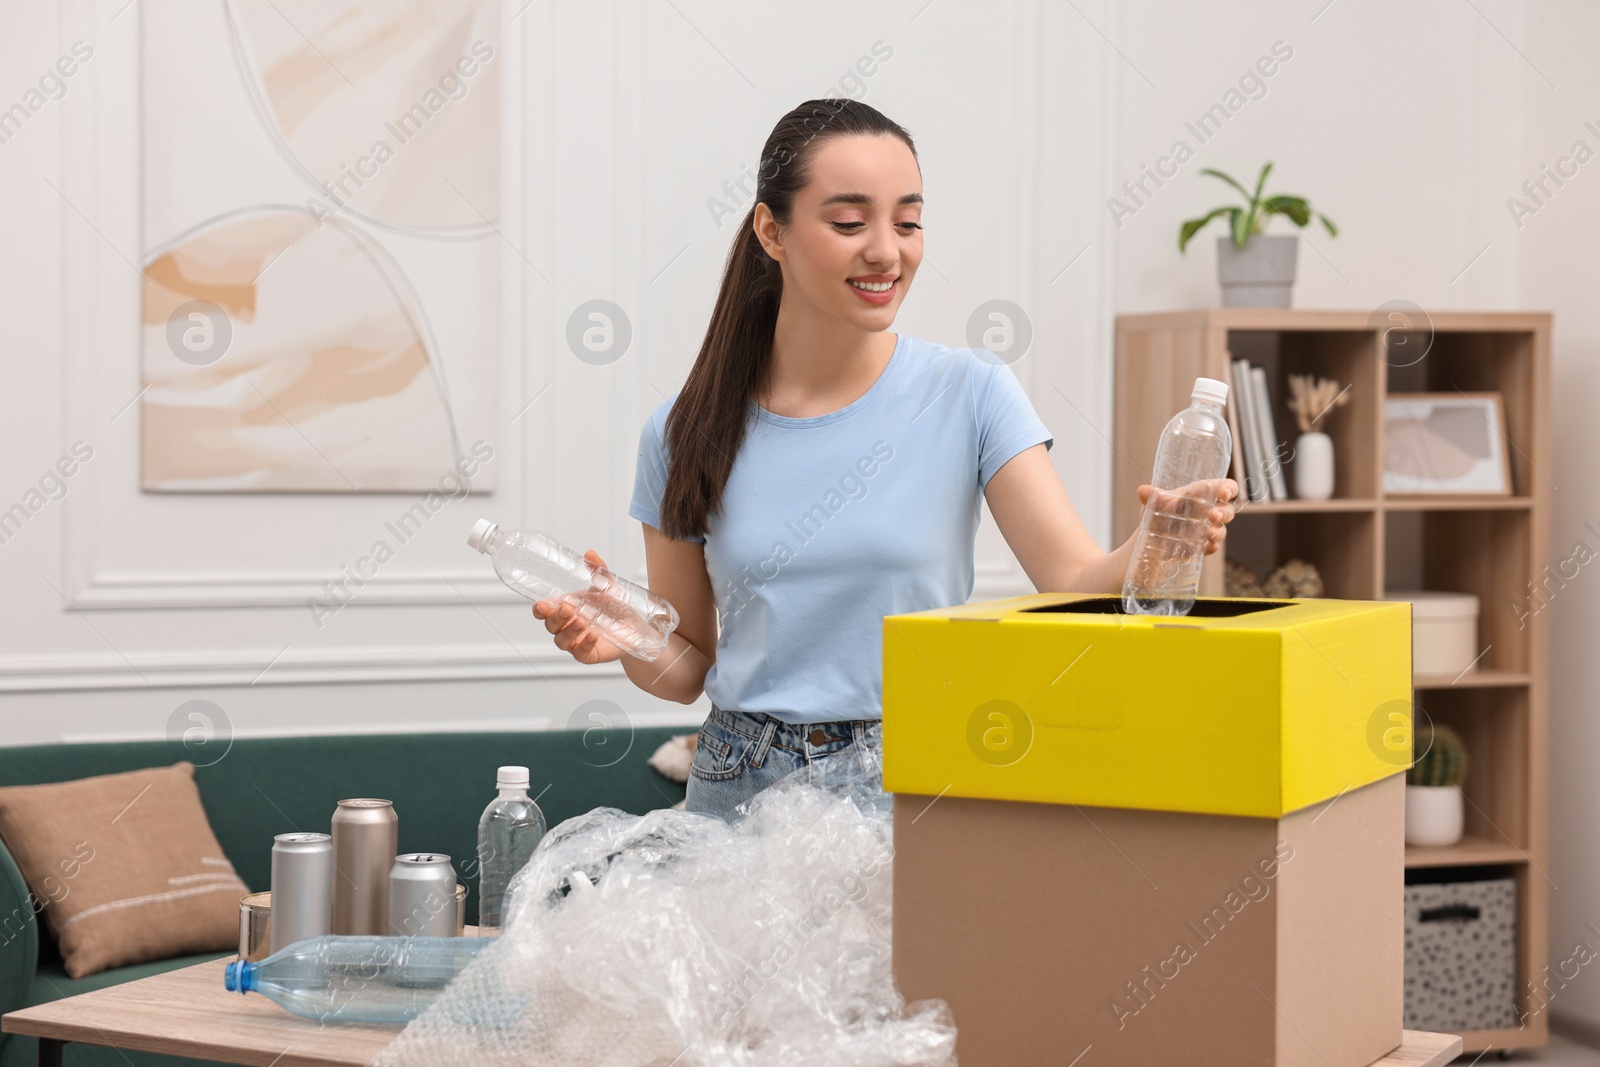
366, 836
422, 896
302, 888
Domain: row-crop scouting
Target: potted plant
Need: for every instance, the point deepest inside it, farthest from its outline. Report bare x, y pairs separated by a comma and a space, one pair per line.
1433, 789
1255, 270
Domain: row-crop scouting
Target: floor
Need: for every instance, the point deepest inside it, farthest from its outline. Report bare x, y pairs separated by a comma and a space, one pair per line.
1561, 1053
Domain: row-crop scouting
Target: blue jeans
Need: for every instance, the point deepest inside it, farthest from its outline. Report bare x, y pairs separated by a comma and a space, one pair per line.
741, 753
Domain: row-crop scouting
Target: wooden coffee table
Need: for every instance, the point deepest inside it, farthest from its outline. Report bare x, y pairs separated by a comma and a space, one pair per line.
187, 1012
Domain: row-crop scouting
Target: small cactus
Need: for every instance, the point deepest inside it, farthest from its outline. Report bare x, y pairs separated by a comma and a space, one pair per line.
1443, 758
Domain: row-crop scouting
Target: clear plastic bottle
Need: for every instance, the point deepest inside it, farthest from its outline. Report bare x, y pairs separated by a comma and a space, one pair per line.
356, 979
510, 829
1196, 447
628, 615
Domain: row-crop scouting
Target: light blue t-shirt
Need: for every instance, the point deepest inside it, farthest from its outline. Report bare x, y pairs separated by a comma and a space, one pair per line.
829, 523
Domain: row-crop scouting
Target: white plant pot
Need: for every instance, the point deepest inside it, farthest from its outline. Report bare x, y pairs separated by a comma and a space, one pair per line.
1313, 466
1434, 814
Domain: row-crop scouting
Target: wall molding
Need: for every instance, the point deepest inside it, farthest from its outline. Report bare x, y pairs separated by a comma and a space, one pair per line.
101, 178
689, 718
242, 590
289, 666
100, 375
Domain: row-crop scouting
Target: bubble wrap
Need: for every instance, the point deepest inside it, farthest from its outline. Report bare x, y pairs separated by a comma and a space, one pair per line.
676, 938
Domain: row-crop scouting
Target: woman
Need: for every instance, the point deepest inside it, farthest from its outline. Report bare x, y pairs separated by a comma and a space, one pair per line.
816, 472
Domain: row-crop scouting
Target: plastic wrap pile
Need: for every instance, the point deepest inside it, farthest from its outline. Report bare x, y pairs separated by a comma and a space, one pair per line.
676, 938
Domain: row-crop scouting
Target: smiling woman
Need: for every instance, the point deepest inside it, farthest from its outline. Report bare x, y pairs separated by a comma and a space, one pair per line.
798, 378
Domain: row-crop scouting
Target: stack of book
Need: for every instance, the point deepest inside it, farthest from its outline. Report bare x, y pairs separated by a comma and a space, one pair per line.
1258, 454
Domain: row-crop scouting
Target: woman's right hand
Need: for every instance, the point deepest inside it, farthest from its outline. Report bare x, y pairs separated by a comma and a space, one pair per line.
572, 632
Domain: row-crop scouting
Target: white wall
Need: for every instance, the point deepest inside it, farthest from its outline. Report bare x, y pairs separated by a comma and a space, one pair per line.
1557, 252
1409, 124
621, 124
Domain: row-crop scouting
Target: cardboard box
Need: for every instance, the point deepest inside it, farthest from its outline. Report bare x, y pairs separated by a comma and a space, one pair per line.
1191, 852
1155, 938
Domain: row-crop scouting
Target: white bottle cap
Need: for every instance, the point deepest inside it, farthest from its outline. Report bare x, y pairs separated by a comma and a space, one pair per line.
480, 534
512, 778
1210, 389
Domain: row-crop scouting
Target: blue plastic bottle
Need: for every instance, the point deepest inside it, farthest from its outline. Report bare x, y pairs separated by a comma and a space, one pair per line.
356, 979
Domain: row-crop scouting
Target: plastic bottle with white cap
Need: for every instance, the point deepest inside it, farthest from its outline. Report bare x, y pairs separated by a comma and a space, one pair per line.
539, 567
508, 832
1192, 457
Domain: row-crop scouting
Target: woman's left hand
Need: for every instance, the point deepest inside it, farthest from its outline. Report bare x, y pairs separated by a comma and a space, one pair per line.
1189, 498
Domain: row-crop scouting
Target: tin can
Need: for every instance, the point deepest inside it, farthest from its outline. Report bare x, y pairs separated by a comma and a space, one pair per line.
366, 836
302, 887
422, 896
255, 926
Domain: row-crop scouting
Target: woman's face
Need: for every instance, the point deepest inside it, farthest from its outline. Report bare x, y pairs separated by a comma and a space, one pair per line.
858, 220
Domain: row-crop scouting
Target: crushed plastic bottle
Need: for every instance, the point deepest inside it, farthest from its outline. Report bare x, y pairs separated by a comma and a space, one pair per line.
508, 832
628, 615
356, 979
1194, 453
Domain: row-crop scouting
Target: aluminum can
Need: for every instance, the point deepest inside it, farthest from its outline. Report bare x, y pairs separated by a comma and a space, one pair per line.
422, 896
366, 836
255, 927
302, 888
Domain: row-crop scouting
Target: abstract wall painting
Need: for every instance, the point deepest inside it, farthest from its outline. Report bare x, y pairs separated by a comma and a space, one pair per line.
321, 190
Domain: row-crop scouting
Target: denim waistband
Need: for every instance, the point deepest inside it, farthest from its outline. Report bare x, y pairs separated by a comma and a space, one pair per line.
757, 725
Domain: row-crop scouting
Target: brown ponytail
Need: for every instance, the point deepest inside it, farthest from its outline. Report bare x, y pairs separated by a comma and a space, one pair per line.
708, 422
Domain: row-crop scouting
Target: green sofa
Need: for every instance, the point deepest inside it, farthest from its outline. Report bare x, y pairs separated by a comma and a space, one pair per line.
258, 788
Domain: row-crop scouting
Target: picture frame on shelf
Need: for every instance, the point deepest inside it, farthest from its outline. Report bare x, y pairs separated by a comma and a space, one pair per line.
1445, 443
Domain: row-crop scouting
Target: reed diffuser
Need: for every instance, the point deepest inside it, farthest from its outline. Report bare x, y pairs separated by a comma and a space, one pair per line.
1311, 399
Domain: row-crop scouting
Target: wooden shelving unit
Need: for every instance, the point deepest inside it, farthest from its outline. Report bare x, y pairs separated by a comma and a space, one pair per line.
1365, 543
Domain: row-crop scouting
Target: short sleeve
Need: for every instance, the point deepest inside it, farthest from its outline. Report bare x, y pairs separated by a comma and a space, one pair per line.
1007, 423
650, 474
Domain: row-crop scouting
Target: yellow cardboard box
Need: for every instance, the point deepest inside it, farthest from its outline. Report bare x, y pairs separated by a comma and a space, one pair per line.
1128, 841
1243, 707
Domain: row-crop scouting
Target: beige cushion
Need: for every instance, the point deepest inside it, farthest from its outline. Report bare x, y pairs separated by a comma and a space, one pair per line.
672, 760
126, 865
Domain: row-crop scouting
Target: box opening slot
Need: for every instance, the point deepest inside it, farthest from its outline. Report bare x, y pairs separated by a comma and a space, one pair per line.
1204, 607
